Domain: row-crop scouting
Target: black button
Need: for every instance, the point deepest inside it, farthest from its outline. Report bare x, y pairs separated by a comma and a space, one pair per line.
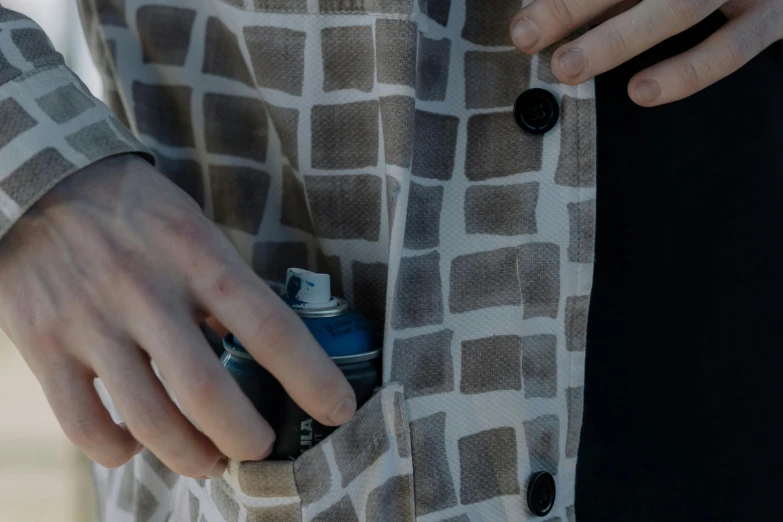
541, 494
536, 111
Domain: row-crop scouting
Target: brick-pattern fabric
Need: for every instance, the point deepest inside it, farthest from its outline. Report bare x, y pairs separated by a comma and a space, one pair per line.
50, 124
373, 140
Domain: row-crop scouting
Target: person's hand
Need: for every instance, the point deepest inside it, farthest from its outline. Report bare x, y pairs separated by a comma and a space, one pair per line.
754, 26
116, 266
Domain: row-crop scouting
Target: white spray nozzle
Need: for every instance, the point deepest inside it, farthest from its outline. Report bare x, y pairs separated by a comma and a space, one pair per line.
308, 287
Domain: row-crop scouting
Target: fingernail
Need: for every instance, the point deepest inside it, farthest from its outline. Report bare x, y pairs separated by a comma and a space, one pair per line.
343, 412
139, 449
219, 469
267, 452
525, 33
573, 62
648, 90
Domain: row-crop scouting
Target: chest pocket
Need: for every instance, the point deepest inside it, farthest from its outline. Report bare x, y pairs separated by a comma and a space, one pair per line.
363, 471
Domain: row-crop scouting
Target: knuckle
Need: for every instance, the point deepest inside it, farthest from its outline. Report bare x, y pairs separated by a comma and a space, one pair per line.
195, 246
687, 9
273, 330
188, 228
47, 339
150, 425
752, 40
125, 268
208, 271
147, 302
224, 284
737, 53
136, 285
563, 11
84, 433
201, 387
51, 352
689, 76
617, 41
775, 17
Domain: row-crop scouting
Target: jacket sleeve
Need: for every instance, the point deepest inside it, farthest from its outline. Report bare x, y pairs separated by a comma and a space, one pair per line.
50, 124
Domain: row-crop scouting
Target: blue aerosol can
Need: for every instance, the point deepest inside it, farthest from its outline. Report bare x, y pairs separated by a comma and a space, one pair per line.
346, 335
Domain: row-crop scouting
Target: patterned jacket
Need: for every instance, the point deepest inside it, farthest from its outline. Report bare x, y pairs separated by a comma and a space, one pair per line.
374, 140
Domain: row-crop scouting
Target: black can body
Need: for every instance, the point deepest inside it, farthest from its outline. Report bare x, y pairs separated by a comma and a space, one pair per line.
296, 430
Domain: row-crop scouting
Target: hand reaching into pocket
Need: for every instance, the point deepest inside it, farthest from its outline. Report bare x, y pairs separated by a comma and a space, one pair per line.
115, 267
754, 25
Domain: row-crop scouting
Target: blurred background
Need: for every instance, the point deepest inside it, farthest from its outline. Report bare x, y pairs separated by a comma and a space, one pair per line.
43, 478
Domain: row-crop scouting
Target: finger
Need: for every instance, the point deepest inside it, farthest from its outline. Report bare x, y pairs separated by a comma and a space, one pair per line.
151, 416
545, 22
613, 11
83, 417
276, 338
725, 51
204, 389
627, 35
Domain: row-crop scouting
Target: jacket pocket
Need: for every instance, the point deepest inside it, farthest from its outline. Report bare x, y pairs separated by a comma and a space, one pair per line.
364, 467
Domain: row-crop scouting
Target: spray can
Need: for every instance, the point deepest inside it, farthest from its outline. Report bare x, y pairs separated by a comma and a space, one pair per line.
346, 335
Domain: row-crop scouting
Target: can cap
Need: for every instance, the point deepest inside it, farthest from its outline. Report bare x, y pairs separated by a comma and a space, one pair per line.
308, 287
310, 294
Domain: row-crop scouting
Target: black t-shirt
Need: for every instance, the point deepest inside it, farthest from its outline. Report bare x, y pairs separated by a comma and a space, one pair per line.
684, 358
